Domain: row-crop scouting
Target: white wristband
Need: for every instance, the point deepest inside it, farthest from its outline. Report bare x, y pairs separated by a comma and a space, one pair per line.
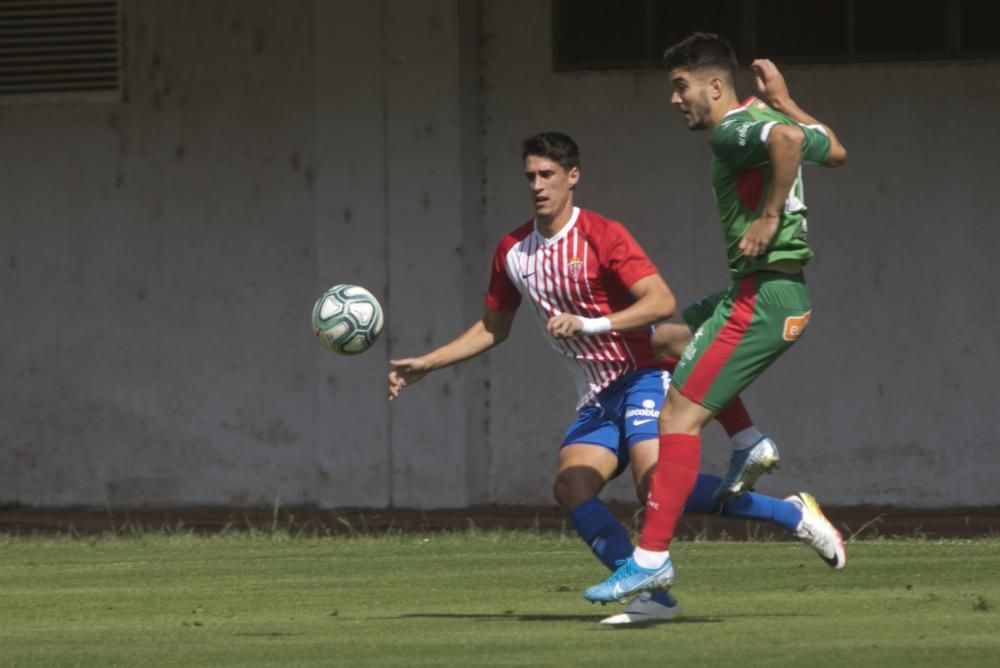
595, 325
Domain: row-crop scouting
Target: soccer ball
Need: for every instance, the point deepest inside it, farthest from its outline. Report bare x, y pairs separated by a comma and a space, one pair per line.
347, 319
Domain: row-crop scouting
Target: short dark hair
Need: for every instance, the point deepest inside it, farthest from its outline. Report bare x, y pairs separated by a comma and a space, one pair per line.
555, 146
701, 50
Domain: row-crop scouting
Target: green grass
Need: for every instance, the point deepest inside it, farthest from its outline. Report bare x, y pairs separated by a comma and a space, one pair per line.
484, 599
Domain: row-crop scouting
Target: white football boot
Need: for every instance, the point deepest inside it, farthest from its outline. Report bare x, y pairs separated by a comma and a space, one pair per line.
816, 531
644, 610
745, 467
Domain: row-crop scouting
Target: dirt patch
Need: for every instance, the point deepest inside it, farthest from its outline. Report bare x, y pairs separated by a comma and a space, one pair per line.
855, 521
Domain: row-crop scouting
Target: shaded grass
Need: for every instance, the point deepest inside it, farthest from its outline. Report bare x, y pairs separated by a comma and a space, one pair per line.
483, 598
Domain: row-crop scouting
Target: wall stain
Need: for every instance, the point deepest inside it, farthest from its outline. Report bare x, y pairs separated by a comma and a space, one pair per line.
27, 372
155, 64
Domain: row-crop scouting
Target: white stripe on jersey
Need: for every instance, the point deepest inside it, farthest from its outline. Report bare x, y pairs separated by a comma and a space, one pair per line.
540, 269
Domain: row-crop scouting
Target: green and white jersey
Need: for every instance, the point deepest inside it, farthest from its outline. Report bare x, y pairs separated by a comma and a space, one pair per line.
741, 178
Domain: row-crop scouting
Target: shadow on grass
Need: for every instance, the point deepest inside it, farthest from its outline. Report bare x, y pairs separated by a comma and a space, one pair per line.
541, 618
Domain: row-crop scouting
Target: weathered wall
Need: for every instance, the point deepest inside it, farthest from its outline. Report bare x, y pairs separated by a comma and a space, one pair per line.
160, 257
886, 400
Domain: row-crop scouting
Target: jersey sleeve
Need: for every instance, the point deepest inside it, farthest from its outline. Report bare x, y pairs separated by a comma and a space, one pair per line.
742, 143
502, 294
624, 257
816, 148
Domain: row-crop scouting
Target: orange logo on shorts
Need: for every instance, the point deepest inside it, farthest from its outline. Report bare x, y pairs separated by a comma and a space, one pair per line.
795, 325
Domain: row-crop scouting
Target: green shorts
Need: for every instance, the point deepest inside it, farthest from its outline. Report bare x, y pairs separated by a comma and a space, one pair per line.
738, 333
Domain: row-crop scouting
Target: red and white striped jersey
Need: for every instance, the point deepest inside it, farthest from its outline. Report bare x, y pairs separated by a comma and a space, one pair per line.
586, 269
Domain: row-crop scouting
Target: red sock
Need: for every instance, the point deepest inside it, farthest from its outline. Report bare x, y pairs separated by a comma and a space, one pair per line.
672, 481
734, 418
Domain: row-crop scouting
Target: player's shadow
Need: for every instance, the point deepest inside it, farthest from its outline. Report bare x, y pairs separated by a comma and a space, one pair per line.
512, 616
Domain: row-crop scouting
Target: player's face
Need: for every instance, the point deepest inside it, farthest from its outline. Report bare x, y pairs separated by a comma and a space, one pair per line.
551, 185
691, 96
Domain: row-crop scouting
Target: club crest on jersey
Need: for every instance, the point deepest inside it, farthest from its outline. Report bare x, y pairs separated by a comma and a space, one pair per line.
574, 267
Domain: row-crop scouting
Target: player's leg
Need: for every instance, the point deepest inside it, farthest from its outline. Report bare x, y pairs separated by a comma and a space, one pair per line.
679, 453
799, 514
754, 454
774, 310
670, 338
584, 469
778, 315
713, 370
643, 401
588, 458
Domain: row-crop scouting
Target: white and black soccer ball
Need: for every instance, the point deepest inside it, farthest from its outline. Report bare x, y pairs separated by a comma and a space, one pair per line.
347, 319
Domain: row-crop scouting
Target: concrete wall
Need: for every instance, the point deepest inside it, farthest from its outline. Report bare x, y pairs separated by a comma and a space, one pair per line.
160, 257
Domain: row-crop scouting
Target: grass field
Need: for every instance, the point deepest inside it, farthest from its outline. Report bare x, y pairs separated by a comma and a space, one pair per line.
484, 599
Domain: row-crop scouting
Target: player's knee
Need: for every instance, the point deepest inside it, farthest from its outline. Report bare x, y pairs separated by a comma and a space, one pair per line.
567, 493
642, 490
561, 493
574, 486
680, 415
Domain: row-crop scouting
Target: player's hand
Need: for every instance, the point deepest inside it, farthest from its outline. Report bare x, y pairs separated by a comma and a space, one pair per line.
563, 326
406, 372
758, 236
770, 83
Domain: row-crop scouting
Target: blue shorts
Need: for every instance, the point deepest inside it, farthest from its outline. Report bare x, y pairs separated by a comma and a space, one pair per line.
625, 413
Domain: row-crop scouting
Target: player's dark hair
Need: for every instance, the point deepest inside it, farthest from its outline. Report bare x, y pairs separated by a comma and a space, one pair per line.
555, 146
699, 51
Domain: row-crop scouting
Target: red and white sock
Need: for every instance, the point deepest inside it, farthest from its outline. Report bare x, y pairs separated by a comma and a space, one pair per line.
734, 418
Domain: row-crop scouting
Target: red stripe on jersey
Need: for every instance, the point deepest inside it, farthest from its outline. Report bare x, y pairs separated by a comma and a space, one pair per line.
602, 357
613, 353
708, 366
600, 365
585, 270
750, 187
547, 284
597, 309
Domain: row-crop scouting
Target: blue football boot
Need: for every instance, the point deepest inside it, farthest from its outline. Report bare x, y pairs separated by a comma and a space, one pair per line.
629, 579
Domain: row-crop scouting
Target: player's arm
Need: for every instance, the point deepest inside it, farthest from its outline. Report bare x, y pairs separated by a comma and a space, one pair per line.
772, 87
489, 331
653, 302
784, 149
